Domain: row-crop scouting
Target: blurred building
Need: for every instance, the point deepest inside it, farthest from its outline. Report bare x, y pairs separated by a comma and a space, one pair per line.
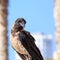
45, 44
48, 47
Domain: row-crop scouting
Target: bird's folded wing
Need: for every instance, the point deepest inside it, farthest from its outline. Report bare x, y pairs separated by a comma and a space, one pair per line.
29, 44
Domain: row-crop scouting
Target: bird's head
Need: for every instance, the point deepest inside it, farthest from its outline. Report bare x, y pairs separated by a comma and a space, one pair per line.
19, 24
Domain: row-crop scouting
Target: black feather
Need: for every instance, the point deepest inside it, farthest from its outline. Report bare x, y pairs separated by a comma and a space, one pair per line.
29, 44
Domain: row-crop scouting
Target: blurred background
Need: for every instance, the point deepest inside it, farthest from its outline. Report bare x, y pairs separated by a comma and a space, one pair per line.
40, 22
39, 15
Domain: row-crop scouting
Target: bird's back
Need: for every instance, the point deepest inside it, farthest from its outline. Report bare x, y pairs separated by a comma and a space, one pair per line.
26, 46
29, 43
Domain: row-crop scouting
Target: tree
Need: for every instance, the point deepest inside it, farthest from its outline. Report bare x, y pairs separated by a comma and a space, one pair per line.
57, 31
3, 30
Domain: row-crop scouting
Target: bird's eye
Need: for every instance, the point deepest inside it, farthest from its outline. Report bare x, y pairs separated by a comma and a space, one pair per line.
19, 21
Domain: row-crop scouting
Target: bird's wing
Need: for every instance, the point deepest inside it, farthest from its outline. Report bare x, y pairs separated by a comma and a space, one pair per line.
28, 42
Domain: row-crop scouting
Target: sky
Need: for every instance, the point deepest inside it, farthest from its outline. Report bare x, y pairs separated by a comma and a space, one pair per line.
37, 13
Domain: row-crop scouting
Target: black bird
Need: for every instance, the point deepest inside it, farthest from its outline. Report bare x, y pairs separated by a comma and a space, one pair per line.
23, 42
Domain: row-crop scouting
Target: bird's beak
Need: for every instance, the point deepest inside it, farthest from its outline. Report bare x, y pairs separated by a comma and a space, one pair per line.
21, 24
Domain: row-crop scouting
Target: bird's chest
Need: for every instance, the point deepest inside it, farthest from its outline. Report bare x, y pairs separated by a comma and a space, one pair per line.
17, 45
15, 42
